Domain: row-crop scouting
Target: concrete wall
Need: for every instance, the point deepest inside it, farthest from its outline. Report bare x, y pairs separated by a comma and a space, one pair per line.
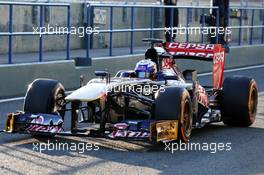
15, 78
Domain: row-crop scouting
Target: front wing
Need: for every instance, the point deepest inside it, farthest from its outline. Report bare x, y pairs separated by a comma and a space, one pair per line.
149, 130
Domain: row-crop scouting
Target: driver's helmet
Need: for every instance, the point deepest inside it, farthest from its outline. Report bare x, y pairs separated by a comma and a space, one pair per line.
146, 69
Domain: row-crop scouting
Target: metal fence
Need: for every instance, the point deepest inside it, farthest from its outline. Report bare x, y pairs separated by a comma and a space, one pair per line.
188, 15
245, 32
41, 6
250, 27
131, 30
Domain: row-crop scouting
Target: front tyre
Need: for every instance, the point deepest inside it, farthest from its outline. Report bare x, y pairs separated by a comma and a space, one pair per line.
175, 104
45, 96
239, 101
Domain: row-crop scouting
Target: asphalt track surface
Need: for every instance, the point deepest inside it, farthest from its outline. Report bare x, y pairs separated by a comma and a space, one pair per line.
246, 155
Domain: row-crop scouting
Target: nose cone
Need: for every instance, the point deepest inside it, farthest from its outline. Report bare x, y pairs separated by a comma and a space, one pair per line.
89, 92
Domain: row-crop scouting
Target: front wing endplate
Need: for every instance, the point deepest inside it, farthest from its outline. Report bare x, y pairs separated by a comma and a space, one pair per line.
164, 130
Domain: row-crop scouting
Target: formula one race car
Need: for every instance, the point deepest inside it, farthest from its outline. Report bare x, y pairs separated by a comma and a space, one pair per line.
155, 101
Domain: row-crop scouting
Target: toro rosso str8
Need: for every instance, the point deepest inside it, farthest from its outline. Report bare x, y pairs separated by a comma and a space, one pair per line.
155, 101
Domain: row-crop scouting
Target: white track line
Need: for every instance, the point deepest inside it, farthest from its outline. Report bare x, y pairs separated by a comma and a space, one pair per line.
21, 98
234, 70
11, 99
261, 93
200, 75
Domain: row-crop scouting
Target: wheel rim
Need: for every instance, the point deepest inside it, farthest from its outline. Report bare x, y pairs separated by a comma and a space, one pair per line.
252, 104
187, 121
59, 102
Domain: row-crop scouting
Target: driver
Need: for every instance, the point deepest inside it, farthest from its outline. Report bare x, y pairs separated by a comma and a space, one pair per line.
146, 69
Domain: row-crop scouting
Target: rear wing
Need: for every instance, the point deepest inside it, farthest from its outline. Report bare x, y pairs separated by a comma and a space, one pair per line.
203, 52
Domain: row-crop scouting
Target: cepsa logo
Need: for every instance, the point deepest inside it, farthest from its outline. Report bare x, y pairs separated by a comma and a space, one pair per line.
192, 46
192, 49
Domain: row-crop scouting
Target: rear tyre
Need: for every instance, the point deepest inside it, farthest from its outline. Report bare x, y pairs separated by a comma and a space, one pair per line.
175, 104
239, 101
45, 96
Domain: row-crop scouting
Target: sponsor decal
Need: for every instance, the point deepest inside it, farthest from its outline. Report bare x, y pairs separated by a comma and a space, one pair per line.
129, 134
121, 126
38, 128
202, 96
38, 119
167, 63
192, 46
219, 57
197, 54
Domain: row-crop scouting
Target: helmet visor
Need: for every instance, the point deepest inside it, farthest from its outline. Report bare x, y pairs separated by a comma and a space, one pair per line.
143, 74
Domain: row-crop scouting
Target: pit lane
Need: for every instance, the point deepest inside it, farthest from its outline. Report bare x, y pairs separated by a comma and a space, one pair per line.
123, 157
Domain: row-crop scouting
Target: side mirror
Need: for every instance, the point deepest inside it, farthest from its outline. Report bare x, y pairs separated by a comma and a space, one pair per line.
103, 74
166, 77
81, 80
190, 75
